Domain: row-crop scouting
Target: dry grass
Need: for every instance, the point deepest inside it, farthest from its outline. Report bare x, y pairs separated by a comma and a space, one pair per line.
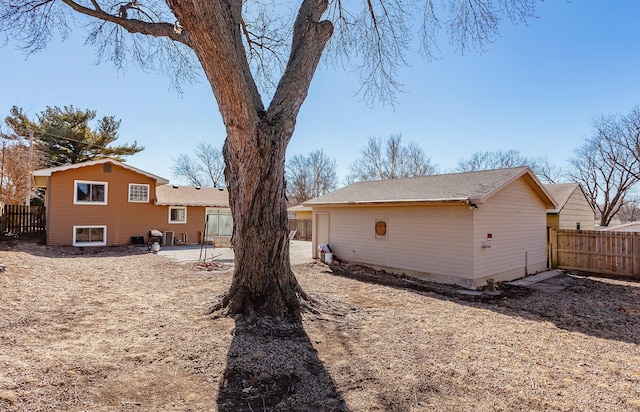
115, 330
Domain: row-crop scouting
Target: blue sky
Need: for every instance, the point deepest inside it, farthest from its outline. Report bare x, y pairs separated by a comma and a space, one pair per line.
536, 89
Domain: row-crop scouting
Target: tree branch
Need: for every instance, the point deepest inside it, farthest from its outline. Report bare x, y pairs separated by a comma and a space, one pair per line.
172, 31
310, 36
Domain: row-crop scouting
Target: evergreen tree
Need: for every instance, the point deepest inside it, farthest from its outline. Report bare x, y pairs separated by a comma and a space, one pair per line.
65, 136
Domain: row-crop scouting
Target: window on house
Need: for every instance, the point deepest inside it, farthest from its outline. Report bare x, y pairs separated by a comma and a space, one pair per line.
89, 236
381, 229
87, 192
177, 214
138, 193
219, 222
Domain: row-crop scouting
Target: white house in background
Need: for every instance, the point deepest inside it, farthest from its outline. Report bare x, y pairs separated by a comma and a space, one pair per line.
461, 228
625, 227
573, 210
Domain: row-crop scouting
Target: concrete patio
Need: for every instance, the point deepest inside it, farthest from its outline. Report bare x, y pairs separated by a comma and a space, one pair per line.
299, 251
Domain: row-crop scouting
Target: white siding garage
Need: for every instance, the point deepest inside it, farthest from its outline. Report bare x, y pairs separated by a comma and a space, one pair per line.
458, 228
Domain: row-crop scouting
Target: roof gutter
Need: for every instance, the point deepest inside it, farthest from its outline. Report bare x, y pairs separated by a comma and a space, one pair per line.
399, 202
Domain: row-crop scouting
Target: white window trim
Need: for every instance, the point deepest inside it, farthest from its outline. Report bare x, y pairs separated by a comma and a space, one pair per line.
216, 211
177, 221
138, 201
104, 240
91, 182
386, 230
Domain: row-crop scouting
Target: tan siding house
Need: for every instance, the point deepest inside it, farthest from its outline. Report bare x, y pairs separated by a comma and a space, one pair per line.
300, 212
573, 210
106, 202
206, 209
460, 228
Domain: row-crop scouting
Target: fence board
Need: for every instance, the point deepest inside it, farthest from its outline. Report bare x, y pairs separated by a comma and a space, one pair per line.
303, 227
608, 252
20, 219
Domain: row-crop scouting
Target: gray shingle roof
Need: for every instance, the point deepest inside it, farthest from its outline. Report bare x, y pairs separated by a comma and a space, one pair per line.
168, 195
473, 187
561, 192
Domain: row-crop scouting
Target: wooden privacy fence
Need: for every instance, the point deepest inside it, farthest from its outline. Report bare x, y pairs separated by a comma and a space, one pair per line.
303, 227
20, 219
609, 252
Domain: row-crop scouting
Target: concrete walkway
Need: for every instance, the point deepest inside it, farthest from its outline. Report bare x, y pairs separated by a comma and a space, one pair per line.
299, 251
548, 281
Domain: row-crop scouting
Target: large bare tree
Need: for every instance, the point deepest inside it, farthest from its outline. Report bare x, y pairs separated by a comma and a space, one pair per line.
542, 167
205, 168
624, 131
389, 159
310, 176
607, 169
234, 41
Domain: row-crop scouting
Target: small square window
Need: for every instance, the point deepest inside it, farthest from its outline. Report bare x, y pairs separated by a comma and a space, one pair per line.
381, 229
138, 193
177, 215
89, 236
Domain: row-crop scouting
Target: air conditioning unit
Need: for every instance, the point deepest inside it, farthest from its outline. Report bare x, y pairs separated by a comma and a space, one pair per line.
167, 238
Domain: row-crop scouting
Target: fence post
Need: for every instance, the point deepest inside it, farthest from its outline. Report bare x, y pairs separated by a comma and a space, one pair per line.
635, 246
553, 247
3, 220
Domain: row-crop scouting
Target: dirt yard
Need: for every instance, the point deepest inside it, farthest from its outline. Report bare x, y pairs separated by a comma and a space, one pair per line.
121, 330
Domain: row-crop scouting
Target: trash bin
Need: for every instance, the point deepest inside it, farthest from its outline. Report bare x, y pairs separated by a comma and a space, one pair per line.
323, 250
328, 258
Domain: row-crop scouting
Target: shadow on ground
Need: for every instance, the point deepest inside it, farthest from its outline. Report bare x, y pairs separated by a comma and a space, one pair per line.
599, 306
36, 247
272, 366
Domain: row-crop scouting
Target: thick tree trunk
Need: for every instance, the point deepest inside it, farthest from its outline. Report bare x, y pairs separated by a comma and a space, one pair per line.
263, 282
254, 150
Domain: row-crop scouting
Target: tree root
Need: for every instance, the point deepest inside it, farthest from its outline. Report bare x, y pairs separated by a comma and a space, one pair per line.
223, 306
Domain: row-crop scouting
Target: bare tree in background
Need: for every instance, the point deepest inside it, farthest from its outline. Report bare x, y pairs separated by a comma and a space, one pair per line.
547, 171
310, 176
17, 160
492, 160
630, 211
234, 42
624, 131
487, 160
606, 169
388, 159
205, 168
